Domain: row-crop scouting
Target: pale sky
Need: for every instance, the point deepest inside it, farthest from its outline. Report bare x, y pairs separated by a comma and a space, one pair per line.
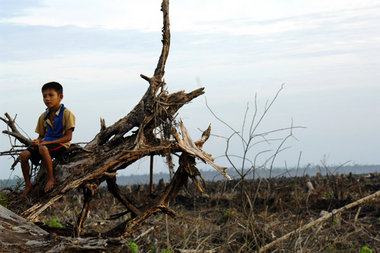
327, 53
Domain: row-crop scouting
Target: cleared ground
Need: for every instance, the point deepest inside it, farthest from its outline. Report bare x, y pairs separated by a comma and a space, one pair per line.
238, 216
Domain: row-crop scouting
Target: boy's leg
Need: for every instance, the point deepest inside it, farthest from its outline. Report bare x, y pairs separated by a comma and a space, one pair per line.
47, 152
46, 159
24, 157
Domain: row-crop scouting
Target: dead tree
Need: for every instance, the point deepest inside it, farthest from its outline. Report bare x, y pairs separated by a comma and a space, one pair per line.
149, 129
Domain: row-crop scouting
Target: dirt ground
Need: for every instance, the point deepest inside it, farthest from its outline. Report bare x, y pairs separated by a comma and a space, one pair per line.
233, 216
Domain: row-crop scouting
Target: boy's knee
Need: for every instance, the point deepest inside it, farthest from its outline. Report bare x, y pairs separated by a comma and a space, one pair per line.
43, 149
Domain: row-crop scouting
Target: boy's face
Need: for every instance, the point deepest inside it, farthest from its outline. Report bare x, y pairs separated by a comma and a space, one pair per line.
52, 99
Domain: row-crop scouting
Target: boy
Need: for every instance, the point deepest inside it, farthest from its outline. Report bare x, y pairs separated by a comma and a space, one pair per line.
55, 129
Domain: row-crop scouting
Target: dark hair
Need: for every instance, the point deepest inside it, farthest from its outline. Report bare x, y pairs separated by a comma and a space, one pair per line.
53, 85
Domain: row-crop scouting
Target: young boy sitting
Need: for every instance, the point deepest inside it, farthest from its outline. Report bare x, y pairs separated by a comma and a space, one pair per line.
55, 129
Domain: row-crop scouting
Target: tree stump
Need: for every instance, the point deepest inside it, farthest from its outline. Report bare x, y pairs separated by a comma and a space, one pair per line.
149, 129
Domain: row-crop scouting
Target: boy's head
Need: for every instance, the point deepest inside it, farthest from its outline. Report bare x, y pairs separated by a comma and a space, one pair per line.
54, 86
52, 94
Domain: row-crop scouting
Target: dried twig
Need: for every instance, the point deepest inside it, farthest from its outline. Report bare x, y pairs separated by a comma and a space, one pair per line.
320, 220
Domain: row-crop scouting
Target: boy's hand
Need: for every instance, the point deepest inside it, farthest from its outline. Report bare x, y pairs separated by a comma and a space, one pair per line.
35, 142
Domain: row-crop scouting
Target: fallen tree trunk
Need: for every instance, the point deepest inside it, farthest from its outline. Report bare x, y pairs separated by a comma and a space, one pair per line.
117, 146
20, 235
17, 231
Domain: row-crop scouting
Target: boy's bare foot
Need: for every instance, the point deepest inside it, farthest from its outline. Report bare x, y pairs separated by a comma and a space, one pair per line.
27, 189
49, 185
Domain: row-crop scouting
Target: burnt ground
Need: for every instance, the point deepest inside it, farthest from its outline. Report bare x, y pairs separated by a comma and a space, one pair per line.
232, 216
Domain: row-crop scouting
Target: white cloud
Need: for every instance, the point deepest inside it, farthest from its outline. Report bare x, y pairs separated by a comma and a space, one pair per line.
222, 16
116, 14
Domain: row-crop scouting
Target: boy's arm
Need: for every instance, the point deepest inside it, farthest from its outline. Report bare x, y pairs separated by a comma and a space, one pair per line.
66, 138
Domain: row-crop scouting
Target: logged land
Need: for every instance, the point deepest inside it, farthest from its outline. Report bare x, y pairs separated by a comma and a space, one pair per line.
233, 216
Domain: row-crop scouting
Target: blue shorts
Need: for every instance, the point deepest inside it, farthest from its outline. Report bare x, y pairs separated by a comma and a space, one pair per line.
55, 150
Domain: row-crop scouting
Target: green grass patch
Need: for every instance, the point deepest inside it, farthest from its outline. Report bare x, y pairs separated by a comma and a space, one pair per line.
3, 200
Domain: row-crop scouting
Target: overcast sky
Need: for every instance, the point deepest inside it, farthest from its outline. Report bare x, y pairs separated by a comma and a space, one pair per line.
327, 53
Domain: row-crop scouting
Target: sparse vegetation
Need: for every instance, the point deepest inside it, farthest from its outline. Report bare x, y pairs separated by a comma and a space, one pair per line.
54, 223
3, 200
133, 247
365, 249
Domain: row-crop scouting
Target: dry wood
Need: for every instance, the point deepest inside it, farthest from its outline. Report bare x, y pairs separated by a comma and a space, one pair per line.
15, 228
187, 144
20, 235
116, 147
14, 131
320, 220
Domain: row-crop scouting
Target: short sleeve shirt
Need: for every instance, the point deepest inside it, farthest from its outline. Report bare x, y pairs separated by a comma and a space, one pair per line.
68, 123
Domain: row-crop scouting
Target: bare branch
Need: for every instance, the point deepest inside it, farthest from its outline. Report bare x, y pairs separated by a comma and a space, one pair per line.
160, 69
14, 131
